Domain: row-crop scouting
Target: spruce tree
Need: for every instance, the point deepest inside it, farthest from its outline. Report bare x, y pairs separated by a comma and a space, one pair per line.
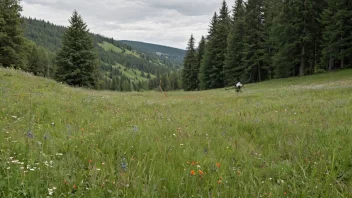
337, 38
36, 62
190, 71
234, 66
255, 70
11, 36
209, 56
77, 60
219, 46
200, 56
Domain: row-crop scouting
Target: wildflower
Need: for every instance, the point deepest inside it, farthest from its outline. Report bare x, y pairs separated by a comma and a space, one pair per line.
74, 187
193, 163
98, 169
50, 191
30, 134
200, 172
82, 129
285, 193
59, 154
219, 181
198, 166
103, 163
238, 172
192, 172
90, 161
218, 165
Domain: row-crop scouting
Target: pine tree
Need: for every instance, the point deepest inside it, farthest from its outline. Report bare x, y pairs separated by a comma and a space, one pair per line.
209, 56
36, 62
294, 31
11, 36
219, 45
337, 36
200, 56
77, 60
234, 66
190, 71
253, 58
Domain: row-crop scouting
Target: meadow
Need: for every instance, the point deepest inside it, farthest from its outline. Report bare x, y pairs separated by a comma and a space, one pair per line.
281, 138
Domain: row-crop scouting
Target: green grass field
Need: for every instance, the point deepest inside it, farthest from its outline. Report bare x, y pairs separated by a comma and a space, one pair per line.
282, 138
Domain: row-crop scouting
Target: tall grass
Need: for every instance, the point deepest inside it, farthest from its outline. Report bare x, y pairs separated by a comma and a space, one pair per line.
284, 138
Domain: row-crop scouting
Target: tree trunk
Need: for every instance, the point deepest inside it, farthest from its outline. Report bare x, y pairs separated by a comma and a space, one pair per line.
259, 74
331, 63
301, 68
342, 63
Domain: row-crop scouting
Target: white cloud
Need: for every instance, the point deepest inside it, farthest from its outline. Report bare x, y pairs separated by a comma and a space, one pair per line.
166, 22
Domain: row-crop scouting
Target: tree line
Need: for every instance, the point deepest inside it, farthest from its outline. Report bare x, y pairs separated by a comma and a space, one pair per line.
266, 39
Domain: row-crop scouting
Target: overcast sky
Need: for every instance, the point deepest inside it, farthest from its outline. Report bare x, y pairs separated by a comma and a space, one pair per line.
166, 22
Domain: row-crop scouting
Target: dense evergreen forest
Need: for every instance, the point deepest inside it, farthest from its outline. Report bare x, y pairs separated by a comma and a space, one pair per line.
266, 39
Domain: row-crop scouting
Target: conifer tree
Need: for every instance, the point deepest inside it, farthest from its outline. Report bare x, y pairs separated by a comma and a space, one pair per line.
234, 66
11, 36
190, 71
337, 38
209, 56
77, 60
219, 46
255, 70
200, 56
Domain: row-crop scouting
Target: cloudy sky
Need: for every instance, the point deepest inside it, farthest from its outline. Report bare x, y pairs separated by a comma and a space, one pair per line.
166, 22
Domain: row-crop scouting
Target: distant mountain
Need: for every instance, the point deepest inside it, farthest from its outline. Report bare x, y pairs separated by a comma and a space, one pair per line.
174, 55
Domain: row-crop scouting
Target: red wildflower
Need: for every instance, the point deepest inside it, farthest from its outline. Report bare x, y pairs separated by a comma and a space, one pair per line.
192, 172
74, 187
218, 165
200, 172
90, 161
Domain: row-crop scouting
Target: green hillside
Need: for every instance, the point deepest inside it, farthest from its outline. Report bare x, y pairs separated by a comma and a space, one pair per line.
111, 53
282, 138
171, 54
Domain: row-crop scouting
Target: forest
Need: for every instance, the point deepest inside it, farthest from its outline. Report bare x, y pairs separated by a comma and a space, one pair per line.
266, 39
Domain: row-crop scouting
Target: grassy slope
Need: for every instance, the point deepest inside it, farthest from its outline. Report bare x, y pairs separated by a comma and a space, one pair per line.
289, 136
130, 74
108, 46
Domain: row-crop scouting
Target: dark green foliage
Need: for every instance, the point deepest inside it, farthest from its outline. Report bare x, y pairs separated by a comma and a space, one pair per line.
255, 70
11, 36
209, 58
337, 37
77, 60
190, 68
219, 45
234, 66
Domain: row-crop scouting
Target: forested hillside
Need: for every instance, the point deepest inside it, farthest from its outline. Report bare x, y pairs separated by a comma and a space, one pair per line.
168, 55
266, 39
123, 68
